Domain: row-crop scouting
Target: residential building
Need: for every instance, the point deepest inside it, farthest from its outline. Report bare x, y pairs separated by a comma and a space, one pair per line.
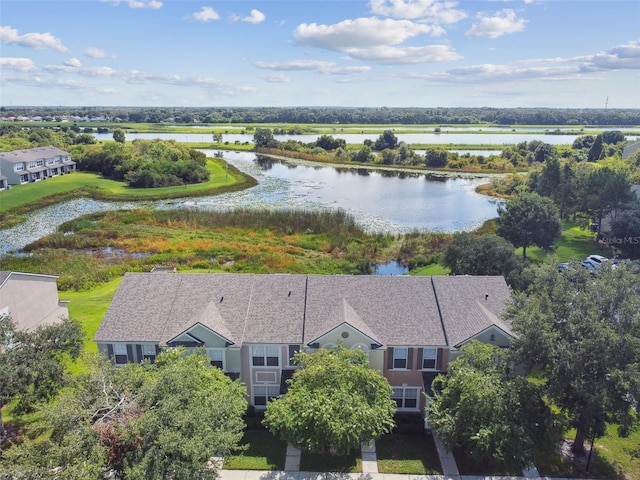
35, 164
251, 325
30, 299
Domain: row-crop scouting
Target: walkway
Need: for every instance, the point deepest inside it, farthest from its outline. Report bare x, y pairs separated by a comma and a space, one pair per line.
369, 470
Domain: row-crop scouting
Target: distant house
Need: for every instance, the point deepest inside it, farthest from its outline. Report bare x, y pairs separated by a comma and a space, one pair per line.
3, 182
34, 164
30, 299
251, 325
630, 149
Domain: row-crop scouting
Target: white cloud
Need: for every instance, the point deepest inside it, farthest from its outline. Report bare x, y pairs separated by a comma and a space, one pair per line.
430, 10
360, 33
73, 62
93, 52
20, 64
392, 55
499, 24
39, 41
276, 78
206, 14
255, 17
329, 68
295, 65
622, 57
153, 4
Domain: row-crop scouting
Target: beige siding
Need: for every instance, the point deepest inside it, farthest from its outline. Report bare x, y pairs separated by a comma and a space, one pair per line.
32, 300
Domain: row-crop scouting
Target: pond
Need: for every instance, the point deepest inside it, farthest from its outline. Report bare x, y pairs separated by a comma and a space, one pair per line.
381, 200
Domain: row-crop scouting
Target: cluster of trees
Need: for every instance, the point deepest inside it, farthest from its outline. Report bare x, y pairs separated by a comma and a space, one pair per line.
142, 421
145, 163
579, 336
388, 150
341, 115
13, 137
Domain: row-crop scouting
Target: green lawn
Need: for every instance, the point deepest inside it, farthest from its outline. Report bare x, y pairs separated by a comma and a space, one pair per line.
264, 452
315, 462
433, 269
408, 454
575, 243
22, 196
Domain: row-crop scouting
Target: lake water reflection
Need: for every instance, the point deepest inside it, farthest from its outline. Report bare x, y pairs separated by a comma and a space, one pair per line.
382, 201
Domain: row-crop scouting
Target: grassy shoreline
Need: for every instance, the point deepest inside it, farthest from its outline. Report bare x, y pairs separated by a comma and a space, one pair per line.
26, 198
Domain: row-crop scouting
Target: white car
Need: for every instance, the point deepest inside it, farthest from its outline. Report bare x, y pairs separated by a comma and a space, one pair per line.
596, 260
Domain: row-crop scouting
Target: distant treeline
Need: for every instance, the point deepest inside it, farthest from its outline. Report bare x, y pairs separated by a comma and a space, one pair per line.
340, 115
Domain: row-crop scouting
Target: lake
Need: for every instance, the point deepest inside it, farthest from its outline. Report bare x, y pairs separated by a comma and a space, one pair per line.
381, 201
359, 138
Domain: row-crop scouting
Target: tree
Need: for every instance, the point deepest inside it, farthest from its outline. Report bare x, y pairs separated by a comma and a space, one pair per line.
495, 418
625, 230
583, 333
118, 135
529, 219
469, 254
142, 421
217, 137
32, 362
601, 191
334, 403
386, 140
595, 152
263, 138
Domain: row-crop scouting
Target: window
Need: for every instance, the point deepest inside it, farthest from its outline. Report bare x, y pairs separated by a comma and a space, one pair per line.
406, 398
32, 164
262, 394
265, 355
293, 349
429, 356
400, 356
120, 353
40, 163
217, 357
19, 167
149, 352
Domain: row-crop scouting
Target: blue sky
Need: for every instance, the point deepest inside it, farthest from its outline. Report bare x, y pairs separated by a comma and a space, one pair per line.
394, 53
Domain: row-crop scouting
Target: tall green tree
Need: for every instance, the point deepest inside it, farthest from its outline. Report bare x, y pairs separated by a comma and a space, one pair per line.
582, 332
496, 418
118, 135
141, 421
600, 191
334, 403
388, 139
529, 219
263, 138
32, 362
595, 152
469, 254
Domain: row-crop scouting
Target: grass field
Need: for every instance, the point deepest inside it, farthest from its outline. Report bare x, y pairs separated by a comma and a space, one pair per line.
22, 198
575, 243
408, 454
264, 452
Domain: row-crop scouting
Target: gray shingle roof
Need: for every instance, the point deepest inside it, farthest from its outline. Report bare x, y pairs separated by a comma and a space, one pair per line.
298, 309
396, 310
32, 154
470, 304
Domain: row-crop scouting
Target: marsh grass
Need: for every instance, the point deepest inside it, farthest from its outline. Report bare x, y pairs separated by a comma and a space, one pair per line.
99, 247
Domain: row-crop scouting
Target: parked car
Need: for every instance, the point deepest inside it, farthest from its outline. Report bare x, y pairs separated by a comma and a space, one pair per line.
596, 260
